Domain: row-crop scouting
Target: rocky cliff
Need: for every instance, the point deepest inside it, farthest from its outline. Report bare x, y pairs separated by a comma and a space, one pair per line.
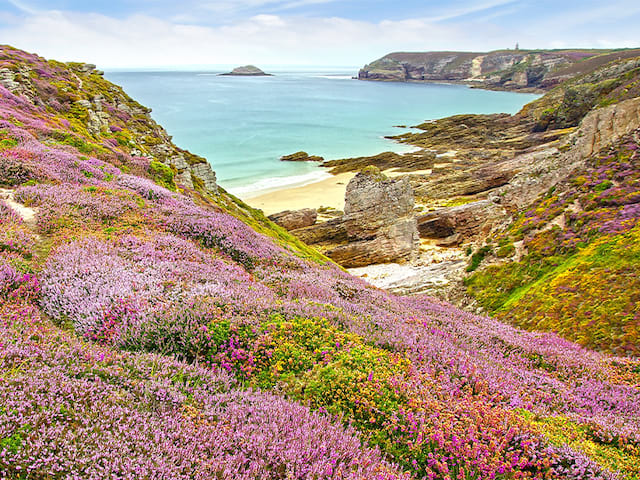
503, 69
100, 115
543, 203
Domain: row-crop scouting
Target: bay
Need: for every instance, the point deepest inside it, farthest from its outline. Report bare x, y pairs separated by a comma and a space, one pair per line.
243, 125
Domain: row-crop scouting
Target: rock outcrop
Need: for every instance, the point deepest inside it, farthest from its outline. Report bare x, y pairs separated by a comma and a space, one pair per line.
294, 219
301, 157
247, 71
378, 224
329, 234
604, 126
378, 220
109, 117
461, 222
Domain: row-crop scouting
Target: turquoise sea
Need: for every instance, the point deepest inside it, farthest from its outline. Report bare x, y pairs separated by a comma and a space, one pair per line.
242, 125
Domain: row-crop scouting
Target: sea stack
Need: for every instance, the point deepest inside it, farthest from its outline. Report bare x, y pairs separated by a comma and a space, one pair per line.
247, 71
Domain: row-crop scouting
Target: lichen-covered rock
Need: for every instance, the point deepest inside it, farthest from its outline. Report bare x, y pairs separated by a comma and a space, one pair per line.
378, 220
204, 172
604, 126
294, 219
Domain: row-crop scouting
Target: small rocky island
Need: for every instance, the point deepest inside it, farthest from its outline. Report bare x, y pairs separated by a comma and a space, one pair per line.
247, 71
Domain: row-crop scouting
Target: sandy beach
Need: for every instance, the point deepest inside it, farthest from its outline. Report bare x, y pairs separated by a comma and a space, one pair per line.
328, 192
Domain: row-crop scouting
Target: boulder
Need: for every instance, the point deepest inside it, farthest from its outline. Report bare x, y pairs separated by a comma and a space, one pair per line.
378, 221
452, 224
331, 232
294, 219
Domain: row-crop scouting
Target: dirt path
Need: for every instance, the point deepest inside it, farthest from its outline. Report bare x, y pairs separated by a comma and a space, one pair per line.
27, 214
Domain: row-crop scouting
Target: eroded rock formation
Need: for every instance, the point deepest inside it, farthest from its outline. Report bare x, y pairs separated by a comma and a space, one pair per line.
378, 224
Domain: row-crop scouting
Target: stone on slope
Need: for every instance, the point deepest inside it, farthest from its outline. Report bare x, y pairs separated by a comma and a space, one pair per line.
294, 219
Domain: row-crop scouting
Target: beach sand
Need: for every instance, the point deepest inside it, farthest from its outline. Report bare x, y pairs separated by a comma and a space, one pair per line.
328, 192
325, 193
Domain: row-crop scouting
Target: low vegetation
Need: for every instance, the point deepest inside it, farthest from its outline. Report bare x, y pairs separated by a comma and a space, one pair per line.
155, 323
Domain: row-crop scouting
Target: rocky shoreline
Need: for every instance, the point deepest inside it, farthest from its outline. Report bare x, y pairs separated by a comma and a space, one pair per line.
472, 175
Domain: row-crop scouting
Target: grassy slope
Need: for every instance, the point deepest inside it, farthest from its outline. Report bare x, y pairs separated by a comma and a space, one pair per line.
62, 88
578, 276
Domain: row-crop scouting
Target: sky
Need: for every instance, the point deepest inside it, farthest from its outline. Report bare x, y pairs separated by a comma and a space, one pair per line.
348, 33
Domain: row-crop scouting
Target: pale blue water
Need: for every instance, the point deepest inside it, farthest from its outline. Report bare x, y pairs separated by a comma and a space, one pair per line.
243, 125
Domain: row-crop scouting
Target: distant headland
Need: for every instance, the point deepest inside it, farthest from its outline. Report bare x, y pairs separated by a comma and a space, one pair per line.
247, 71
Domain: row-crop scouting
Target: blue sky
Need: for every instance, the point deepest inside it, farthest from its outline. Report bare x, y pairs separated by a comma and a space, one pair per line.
148, 33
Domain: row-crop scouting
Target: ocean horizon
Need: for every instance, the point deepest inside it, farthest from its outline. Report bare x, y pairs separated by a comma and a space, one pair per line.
243, 125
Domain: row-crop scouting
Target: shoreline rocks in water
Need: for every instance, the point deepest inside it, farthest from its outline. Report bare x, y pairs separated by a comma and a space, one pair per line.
301, 157
247, 71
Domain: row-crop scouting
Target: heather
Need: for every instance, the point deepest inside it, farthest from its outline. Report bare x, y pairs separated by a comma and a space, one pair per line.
71, 410
148, 333
578, 276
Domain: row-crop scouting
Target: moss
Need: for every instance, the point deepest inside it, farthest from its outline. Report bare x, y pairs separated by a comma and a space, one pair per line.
505, 251
66, 138
163, 175
6, 143
198, 183
375, 173
478, 257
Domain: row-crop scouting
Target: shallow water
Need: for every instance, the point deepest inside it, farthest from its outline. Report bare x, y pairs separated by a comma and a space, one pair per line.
242, 125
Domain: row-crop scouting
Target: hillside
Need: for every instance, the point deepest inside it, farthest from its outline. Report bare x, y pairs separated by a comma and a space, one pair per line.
537, 210
525, 70
152, 327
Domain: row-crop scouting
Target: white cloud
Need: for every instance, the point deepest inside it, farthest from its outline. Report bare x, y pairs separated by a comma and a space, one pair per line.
268, 39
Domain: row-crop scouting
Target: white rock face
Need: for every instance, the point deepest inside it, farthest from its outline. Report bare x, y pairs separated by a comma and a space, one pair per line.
379, 221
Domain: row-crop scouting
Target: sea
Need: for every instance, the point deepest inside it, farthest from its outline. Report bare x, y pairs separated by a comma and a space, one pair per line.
243, 125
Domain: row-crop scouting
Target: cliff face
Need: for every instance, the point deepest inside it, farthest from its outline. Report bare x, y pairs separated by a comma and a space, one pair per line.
99, 114
509, 69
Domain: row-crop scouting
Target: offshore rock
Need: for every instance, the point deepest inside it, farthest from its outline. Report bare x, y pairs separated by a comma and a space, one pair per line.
294, 219
247, 71
301, 157
378, 220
